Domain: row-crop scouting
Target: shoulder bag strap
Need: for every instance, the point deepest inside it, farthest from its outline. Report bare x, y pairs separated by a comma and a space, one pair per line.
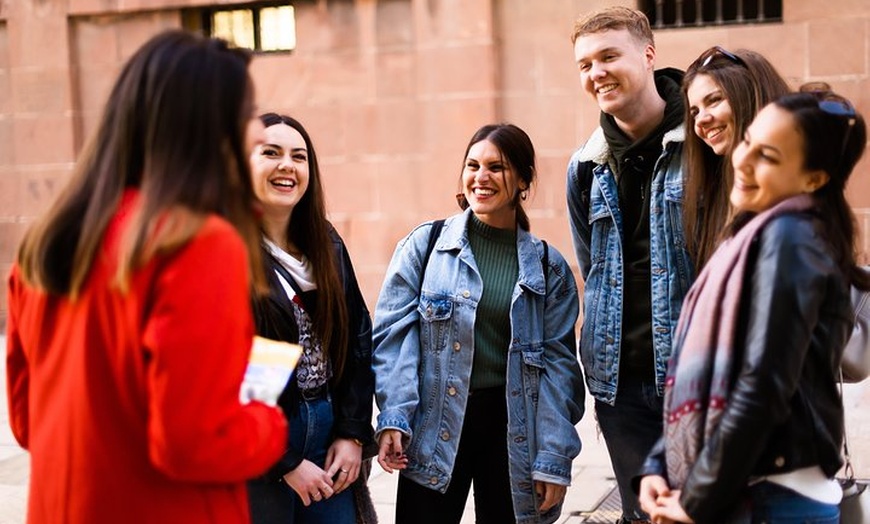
434, 233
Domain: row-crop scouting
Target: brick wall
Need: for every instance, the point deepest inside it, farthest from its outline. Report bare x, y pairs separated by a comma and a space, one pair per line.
390, 90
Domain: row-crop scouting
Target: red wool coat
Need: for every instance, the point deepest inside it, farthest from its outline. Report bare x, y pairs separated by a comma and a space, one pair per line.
128, 403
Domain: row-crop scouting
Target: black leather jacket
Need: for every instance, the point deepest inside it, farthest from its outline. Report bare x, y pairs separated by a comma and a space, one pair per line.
784, 411
353, 395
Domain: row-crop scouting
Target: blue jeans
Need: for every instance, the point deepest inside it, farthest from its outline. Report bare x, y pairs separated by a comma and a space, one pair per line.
630, 428
774, 504
310, 432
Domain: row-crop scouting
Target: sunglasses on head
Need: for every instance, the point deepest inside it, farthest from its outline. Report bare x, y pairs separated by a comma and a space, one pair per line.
833, 104
715, 51
830, 102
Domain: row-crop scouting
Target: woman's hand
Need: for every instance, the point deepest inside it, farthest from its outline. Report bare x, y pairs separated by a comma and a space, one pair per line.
390, 453
549, 494
311, 483
651, 488
669, 510
343, 459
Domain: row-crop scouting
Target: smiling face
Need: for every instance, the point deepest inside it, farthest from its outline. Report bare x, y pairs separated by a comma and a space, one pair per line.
279, 169
711, 113
615, 69
490, 185
769, 163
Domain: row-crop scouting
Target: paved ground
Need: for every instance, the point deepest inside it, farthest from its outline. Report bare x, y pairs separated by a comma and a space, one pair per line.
592, 476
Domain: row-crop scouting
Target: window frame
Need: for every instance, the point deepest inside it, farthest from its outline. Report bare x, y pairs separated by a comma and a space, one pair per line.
201, 19
655, 11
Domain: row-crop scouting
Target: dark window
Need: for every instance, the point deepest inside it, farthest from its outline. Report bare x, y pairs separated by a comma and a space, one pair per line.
267, 26
696, 13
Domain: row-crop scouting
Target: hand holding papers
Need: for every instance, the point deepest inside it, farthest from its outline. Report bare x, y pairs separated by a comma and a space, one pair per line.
270, 366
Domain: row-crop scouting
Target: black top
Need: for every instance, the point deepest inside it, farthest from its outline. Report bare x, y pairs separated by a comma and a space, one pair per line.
352, 395
634, 163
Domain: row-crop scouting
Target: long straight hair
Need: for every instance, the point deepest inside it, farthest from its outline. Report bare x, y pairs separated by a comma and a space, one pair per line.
309, 230
174, 128
748, 82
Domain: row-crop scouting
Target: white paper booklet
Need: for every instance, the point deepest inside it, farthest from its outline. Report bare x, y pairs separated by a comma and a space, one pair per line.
270, 367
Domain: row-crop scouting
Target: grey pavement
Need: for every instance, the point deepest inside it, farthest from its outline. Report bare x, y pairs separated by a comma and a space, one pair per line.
592, 477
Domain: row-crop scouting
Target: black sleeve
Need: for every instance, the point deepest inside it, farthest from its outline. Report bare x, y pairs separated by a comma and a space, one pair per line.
354, 394
782, 301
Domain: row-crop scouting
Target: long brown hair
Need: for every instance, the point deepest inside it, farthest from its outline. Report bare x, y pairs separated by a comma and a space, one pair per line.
749, 82
174, 127
309, 230
833, 141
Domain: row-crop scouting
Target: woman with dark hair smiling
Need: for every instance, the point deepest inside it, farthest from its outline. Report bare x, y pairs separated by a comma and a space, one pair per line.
722, 93
753, 417
314, 301
475, 357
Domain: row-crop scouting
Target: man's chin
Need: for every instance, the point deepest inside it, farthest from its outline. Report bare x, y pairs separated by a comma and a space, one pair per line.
609, 105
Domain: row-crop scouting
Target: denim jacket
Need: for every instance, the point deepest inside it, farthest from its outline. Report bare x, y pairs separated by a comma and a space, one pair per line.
596, 226
424, 344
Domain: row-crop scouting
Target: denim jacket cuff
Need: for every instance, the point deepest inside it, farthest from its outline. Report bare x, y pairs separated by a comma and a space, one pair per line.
392, 419
553, 468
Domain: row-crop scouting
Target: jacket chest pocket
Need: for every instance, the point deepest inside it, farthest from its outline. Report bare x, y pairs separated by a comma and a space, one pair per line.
533, 365
601, 223
435, 316
674, 210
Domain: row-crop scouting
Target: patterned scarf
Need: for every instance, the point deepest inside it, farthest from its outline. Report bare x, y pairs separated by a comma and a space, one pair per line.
698, 382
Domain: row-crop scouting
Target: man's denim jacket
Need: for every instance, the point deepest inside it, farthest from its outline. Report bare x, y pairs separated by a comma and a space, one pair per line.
423, 349
596, 226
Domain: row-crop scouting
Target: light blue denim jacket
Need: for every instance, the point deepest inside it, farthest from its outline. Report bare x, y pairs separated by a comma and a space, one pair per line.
596, 226
423, 350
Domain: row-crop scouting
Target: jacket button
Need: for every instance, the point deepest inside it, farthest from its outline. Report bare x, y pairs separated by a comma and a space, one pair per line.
445, 436
451, 391
457, 346
433, 480
779, 462
466, 293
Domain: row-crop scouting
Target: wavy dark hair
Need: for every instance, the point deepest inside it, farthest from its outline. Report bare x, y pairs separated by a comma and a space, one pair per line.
173, 127
834, 143
749, 82
516, 147
309, 230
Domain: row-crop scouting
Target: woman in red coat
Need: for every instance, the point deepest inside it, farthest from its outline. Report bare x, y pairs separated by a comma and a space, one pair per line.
129, 320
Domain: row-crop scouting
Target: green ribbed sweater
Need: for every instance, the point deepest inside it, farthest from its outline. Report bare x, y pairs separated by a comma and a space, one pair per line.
495, 251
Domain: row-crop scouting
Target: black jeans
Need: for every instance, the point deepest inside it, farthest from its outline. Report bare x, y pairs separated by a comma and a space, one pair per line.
630, 428
482, 459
